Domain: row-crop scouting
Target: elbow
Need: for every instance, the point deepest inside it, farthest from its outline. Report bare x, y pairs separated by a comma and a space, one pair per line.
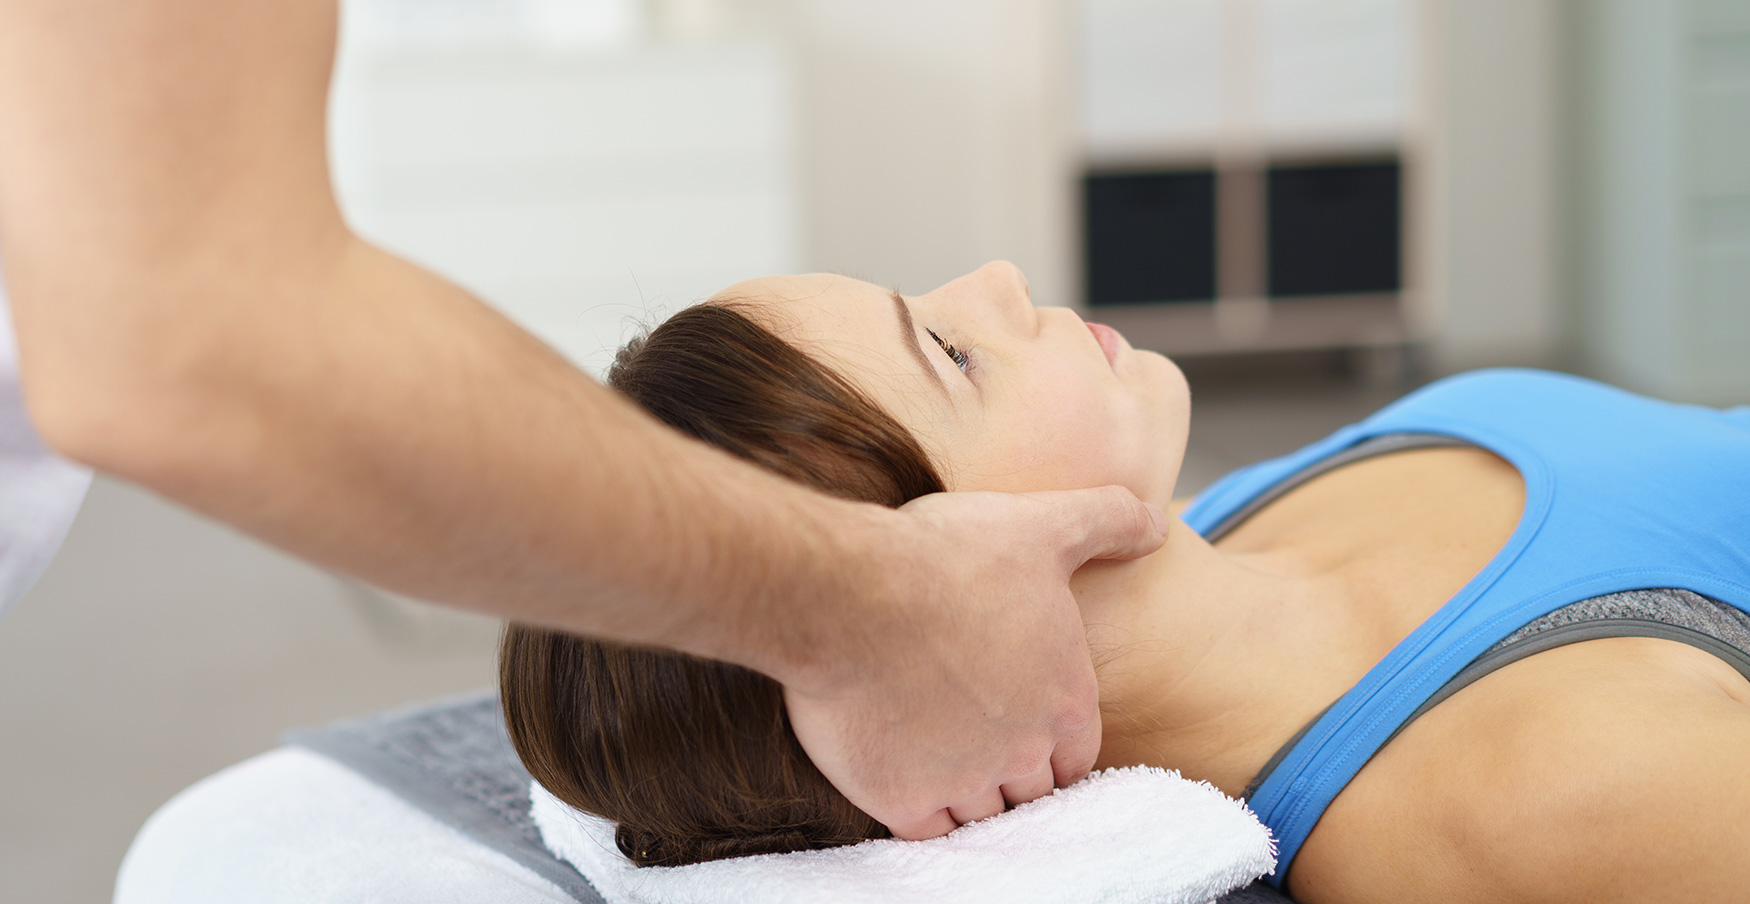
93, 422
160, 371
114, 413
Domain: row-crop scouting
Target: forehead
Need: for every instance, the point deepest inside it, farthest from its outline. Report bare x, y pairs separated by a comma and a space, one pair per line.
845, 323
809, 307
852, 327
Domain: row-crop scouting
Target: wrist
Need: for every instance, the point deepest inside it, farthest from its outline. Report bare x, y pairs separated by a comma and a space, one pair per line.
833, 616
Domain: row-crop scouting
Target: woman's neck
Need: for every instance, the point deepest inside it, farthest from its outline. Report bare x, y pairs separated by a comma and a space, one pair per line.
1200, 654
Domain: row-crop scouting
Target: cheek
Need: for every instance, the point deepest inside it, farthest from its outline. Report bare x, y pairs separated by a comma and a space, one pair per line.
1061, 440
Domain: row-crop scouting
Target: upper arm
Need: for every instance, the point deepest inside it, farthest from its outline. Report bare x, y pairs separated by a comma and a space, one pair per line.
158, 159
1661, 817
130, 123
1603, 771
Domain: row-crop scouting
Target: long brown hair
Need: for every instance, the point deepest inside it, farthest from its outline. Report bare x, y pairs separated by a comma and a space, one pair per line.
695, 759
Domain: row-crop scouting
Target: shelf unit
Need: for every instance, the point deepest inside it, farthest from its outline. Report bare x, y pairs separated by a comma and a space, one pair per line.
1291, 128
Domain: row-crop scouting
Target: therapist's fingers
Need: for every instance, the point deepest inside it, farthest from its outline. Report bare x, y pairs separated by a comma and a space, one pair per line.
1074, 756
1030, 787
985, 806
937, 824
1105, 523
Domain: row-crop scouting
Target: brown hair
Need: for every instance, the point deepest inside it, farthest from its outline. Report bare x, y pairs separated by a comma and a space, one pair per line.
695, 759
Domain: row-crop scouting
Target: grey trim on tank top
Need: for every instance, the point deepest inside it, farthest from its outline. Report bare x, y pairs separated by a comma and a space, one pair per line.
1665, 613
1661, 613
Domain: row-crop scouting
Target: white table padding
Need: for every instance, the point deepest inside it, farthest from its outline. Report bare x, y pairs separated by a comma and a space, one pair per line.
293, 826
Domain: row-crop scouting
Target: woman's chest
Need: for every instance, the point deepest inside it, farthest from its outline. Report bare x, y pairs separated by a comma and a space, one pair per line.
1395, 537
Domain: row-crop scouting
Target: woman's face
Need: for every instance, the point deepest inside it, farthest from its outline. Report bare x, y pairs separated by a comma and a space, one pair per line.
1020, 399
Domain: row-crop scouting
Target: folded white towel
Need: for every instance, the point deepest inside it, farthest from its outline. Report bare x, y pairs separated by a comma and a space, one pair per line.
1135, 834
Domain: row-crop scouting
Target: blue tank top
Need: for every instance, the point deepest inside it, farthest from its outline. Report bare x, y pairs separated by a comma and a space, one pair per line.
1621, 493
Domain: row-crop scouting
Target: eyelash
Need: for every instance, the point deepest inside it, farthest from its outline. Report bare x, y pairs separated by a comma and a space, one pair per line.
956, 355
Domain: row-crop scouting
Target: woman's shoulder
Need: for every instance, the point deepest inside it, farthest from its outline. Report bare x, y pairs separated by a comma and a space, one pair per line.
292, 825
1606, 769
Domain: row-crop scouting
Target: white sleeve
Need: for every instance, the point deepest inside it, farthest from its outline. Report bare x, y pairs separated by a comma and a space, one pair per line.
294, 827
40, 492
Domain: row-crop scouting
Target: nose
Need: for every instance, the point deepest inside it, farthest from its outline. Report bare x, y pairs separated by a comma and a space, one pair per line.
1006, 286
1002, 274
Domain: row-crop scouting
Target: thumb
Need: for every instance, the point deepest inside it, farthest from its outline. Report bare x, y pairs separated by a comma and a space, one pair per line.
1106, 523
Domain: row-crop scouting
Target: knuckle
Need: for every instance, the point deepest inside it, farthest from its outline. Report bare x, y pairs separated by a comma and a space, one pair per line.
1077, 710
1030, 759
1127, 510
908, 819
974, 788
1116, 500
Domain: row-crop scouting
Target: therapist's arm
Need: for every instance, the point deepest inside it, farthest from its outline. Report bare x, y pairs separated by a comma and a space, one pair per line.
195, 316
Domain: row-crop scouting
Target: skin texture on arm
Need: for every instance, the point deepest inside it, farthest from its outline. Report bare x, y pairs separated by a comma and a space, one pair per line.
195, 316
1609, 770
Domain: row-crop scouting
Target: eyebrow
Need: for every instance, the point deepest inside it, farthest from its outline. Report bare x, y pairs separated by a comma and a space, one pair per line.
908, 333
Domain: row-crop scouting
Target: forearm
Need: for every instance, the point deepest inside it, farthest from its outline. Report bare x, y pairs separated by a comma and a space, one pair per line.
383, 423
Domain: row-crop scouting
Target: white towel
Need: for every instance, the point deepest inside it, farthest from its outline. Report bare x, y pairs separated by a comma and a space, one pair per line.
1124, 836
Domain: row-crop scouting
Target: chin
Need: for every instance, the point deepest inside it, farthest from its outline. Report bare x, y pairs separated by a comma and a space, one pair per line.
1170, 411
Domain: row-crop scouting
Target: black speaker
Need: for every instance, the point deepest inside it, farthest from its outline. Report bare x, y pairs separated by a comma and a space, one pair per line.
1335, 229
1149, 237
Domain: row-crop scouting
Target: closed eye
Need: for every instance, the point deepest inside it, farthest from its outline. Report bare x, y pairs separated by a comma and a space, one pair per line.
956, 355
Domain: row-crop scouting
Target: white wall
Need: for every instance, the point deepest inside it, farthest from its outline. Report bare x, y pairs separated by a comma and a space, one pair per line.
1166, 78
1662, 204
583, 190
1488, 193
936, 137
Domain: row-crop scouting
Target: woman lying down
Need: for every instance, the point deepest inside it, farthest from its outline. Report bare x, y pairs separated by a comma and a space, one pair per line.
1489, 644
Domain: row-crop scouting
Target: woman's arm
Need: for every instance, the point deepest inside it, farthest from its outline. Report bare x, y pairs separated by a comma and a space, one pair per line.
1610, 770
1638, 792
194, 315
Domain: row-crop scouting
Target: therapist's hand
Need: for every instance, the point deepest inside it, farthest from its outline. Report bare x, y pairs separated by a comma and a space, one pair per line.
966, 686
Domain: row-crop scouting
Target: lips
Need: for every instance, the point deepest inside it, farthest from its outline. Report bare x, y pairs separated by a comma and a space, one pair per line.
1110, 341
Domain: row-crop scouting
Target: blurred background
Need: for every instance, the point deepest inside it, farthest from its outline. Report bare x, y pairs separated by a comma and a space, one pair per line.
1312, 204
